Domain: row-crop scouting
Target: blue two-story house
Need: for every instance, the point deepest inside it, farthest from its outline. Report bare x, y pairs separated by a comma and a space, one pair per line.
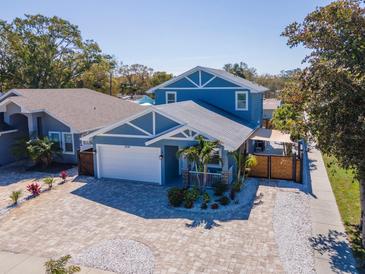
202, 101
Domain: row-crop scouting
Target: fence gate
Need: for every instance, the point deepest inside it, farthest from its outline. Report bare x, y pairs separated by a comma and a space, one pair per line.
278, 167
86, 162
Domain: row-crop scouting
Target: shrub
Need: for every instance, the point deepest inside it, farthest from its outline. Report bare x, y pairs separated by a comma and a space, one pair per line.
189, 198
204, 206
34, 188
195, 192
60, 266
175, 196
214, 206
219, 188
224, 200
232, 194
15, 195
237, 186
49, 181
63, 175
42, 151
206, 197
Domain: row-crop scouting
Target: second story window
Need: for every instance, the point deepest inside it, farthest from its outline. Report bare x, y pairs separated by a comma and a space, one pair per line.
170, 97
241, 100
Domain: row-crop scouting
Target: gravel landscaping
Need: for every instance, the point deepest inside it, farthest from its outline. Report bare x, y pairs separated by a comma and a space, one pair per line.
292, 228
120, 256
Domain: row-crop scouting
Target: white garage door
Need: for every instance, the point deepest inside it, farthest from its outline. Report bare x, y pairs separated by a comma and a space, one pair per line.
129, 163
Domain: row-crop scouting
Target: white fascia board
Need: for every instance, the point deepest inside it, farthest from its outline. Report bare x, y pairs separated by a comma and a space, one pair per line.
177, 78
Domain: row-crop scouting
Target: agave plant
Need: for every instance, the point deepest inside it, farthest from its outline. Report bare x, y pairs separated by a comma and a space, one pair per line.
60, 266
49, 181
15, 195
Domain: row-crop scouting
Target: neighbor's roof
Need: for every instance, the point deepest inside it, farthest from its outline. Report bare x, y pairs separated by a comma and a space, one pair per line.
271, 103
271, 135
81, 109
229, 132
219, 73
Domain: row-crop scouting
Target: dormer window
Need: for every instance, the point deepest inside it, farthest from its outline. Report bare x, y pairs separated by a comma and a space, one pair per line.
241, 100
170, 97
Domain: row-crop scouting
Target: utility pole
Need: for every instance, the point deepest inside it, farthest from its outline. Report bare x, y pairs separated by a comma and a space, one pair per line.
110, 82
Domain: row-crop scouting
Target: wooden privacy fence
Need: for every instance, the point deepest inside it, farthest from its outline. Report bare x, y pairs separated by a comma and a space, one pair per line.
277, 167
86, 162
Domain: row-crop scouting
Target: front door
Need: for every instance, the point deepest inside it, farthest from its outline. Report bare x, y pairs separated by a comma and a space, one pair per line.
171, 164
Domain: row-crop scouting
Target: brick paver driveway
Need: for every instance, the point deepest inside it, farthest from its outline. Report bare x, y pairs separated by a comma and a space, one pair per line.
75, 215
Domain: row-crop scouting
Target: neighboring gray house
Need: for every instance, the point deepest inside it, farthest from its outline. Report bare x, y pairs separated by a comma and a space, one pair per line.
270, 105
64, 115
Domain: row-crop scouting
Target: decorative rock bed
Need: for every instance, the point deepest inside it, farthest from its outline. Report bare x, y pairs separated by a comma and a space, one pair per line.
120, 256
292, 228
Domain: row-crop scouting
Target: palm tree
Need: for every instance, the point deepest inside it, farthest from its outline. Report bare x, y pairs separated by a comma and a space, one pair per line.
42, 151
200, 155
238, 157
191, 154
206, 154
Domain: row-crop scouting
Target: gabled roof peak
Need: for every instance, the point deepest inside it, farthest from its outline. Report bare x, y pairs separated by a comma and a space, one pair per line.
236, 80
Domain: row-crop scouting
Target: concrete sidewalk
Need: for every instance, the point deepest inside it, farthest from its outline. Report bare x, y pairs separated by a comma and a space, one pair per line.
12, 263
331, 248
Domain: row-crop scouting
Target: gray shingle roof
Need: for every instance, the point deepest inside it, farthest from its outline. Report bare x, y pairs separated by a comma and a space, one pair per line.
81, 109
229, 132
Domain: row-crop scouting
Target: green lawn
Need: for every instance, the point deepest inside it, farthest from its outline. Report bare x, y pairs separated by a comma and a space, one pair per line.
346, 190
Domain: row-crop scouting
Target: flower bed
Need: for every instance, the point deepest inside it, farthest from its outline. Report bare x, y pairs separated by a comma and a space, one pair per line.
34, 188
211, 200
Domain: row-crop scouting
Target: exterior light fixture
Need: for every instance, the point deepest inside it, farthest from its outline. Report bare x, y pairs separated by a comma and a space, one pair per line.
161, 157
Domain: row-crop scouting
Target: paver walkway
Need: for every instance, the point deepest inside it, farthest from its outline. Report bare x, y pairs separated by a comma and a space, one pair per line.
12, 263
332, 250
74, 216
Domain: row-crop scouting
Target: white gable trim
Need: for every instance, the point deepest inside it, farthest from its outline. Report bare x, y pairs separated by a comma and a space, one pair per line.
191, 81
210, 80
169, 135
191, 71
102, 131
10, 92
139, 129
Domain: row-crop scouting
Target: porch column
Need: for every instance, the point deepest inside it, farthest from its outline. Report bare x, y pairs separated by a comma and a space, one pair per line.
32, 124
185, 177
225, 166
226, 174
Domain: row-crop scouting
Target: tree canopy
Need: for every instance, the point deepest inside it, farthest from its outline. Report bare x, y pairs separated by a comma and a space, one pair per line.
43, 52
274, 82
333, 84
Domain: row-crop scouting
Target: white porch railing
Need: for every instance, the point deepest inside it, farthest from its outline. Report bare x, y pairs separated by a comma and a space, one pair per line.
202, 180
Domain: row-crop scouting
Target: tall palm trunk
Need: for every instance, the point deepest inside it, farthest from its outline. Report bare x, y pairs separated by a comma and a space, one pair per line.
205, 175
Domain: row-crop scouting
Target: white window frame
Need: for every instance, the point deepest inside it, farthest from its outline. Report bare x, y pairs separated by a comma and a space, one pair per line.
59, 136
64, 143
236, 99
167, 96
